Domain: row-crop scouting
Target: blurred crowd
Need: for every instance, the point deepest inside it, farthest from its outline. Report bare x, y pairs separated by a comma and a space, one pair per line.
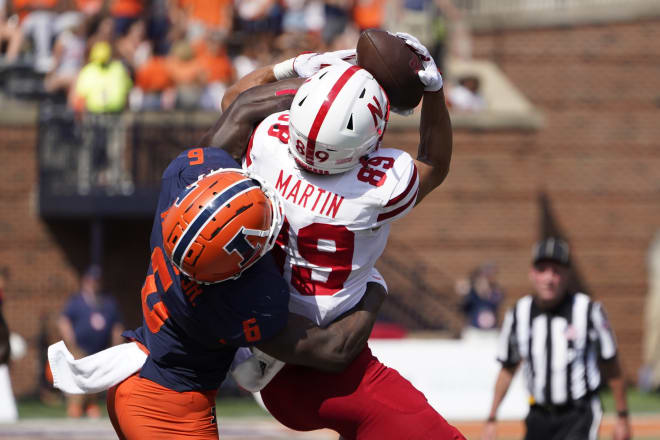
108, 55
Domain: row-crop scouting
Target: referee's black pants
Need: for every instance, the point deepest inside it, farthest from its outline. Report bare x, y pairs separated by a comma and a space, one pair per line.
579, 420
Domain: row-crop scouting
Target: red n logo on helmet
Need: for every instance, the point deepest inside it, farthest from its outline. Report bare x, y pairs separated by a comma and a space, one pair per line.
375, 111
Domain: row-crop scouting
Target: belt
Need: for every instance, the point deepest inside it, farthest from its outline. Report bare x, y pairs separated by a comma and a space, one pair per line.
564, 407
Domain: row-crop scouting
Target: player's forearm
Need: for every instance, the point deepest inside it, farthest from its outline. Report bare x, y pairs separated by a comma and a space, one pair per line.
295, 343
332, 348
347, 336
357, 324
435, 147
233, 129
262, 75
502, 385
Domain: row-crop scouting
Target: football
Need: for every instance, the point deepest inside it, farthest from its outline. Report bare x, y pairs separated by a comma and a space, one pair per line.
393, 64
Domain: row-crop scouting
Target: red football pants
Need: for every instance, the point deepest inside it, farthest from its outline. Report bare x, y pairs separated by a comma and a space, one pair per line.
140, 409
367, 401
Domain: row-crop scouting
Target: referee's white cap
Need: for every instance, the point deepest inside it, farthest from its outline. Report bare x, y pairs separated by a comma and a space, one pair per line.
551, 249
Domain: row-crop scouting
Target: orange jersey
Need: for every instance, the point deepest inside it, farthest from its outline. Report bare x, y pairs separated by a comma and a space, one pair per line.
153, 75
218, 67
211, 12
368, 13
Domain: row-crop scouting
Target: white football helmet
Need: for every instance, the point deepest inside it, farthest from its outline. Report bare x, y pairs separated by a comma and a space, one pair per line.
337, 116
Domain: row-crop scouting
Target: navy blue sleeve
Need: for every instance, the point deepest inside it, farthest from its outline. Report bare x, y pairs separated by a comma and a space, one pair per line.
263, 303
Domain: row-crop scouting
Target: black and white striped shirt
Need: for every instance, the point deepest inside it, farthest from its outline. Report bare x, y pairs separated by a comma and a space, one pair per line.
559, 349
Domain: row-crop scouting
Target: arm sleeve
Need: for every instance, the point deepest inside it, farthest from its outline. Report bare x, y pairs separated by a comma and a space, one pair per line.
262, 315
507, 348
404, 194
602, 332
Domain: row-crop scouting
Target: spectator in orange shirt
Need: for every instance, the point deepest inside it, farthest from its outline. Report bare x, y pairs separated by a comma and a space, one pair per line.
212, 54
369, 14
207, 16
154, 87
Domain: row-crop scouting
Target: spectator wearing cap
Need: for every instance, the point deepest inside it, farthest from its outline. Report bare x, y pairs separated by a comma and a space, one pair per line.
567, 350
89, 323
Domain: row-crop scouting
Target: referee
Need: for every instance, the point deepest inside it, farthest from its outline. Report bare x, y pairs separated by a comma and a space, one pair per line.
561, 339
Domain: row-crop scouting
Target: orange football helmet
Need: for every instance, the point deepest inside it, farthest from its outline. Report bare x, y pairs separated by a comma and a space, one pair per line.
221, 225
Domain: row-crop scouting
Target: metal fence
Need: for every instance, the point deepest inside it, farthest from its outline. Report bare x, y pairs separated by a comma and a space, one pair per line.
107, 155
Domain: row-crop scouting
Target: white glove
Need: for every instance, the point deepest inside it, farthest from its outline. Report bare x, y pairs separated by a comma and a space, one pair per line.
430, 76
307, 64
252, 369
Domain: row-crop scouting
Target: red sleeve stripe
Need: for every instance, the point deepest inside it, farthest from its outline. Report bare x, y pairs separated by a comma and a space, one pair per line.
285, 92
397, 211
405, 192
248, 160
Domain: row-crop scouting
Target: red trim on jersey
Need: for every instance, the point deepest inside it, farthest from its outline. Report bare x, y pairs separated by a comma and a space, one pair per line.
285, 92
399, 210
323, 112
248, 161
405, 192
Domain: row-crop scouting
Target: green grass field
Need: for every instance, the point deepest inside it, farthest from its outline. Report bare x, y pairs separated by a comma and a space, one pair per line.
234, 407
640, 403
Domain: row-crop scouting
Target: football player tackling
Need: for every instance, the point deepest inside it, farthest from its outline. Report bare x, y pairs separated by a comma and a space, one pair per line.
211, 287
340, 193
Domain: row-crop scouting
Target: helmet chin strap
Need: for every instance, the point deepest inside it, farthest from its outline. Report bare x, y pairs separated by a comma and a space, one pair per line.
256, 232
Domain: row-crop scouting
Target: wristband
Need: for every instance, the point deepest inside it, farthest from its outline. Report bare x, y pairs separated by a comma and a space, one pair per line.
622, 414
284, 70
490, 419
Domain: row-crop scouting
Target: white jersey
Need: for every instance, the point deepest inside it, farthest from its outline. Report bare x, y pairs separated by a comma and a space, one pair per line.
336, 226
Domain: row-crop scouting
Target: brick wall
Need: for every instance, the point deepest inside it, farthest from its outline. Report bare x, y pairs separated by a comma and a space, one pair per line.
596, 158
